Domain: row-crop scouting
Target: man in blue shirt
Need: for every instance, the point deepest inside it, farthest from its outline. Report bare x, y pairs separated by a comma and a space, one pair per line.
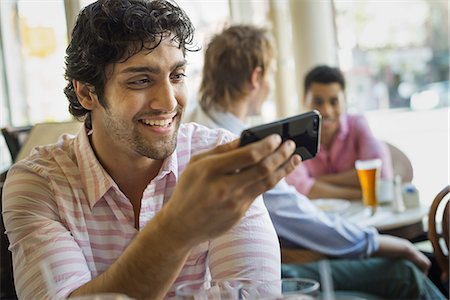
236, 81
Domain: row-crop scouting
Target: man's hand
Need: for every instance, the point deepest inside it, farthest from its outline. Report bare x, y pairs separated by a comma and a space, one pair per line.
391, 246
218, 186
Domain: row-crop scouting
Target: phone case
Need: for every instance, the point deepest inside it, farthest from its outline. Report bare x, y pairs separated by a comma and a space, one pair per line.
303, 129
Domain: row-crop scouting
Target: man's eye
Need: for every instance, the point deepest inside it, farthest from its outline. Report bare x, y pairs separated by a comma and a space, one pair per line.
318, 102
179, 77
139, 82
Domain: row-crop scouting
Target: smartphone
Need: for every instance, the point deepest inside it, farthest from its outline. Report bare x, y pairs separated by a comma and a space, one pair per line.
303, 129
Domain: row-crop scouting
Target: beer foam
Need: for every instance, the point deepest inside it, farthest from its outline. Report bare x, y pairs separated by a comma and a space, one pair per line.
368, 164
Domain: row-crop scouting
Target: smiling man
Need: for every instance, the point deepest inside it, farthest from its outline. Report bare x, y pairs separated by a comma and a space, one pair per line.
344, 138
137, 203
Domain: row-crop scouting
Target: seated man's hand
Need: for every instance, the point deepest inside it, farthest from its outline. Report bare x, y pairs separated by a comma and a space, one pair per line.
391, 246
218, 186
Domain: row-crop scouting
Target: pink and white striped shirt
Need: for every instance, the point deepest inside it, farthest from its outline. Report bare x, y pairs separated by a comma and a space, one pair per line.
63, 210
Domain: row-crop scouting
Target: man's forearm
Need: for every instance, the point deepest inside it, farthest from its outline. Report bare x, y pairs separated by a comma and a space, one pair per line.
391, 246
347, 178
327, 190
147, 268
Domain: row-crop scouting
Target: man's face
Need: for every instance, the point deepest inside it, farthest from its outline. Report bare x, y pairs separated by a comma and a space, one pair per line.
145, 98
264, 90
328, 99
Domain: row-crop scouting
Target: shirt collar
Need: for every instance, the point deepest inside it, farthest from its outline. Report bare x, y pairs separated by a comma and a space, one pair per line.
94, 178
170, 165
227, 120
343, 127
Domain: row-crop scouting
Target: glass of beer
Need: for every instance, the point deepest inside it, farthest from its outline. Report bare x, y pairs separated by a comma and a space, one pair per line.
368, 173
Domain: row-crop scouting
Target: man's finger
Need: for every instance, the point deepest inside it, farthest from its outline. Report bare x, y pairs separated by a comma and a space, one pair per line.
217, 150
262, 179
243, 157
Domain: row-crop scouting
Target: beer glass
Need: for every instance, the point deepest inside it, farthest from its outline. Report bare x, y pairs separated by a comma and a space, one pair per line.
368, 173
286, 288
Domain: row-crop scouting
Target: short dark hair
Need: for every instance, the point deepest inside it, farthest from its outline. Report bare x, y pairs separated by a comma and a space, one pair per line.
111, 31
323, 74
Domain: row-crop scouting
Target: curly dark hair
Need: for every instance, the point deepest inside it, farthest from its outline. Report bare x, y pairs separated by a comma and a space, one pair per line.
111, 31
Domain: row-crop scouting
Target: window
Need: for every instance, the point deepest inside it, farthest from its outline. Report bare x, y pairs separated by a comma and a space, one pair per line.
33, 48
32, 56
390, 55
395, 58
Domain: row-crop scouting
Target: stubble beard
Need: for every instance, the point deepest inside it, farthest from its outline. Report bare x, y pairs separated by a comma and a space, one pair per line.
153, 148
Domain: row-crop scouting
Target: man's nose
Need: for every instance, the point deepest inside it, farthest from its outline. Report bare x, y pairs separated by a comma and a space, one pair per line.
327, 110
164, 98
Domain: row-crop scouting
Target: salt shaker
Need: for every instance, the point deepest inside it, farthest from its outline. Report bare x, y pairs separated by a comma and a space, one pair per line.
410, 196
397, 203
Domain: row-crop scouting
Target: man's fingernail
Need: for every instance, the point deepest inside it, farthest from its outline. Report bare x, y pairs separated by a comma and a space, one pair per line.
296, 159
291, 144
276, 138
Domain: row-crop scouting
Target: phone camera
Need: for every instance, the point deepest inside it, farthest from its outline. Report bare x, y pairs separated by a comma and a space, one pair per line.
316, 123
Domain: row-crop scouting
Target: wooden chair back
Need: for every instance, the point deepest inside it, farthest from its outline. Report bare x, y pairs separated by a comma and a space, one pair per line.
439, 214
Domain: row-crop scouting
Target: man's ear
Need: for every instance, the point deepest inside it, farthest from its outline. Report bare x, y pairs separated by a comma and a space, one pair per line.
86, 94
256, 77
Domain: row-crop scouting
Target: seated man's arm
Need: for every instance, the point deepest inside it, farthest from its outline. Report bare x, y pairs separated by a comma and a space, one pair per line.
322, 189
348, 178
391, 246
315, 188
300, 224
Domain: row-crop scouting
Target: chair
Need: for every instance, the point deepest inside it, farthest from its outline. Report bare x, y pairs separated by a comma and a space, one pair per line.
14, 138
7, 290
291, 254
439, 215
299, 256
21, 140
401, 164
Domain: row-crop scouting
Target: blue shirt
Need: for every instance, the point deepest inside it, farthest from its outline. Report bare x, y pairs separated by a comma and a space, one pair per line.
298, 222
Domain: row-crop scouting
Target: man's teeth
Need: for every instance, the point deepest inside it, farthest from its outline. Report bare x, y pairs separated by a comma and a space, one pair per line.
160, 123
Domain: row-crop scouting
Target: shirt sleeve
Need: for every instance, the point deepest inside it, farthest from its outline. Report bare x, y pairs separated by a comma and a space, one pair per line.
371, 147
249, 250
301, 180
39, 240
303, 225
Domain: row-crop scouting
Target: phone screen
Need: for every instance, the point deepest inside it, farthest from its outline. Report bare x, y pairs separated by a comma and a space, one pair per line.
303, 129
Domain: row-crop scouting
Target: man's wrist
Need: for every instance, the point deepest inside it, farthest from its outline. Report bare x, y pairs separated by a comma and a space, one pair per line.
169, 230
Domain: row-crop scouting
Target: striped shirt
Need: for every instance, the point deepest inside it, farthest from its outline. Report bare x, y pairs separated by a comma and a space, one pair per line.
63, 211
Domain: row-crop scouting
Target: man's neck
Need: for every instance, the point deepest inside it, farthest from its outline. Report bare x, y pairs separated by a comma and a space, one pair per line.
239, 108
131, 174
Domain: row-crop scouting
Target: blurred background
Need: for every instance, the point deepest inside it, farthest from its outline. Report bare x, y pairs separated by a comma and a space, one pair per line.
394, 54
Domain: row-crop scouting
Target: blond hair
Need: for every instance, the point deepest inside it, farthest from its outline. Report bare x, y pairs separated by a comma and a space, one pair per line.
230, 58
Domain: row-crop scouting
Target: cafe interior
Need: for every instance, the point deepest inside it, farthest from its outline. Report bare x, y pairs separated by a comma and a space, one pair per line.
396, 67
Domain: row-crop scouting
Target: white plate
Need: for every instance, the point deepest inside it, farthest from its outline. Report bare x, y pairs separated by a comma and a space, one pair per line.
331, 205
